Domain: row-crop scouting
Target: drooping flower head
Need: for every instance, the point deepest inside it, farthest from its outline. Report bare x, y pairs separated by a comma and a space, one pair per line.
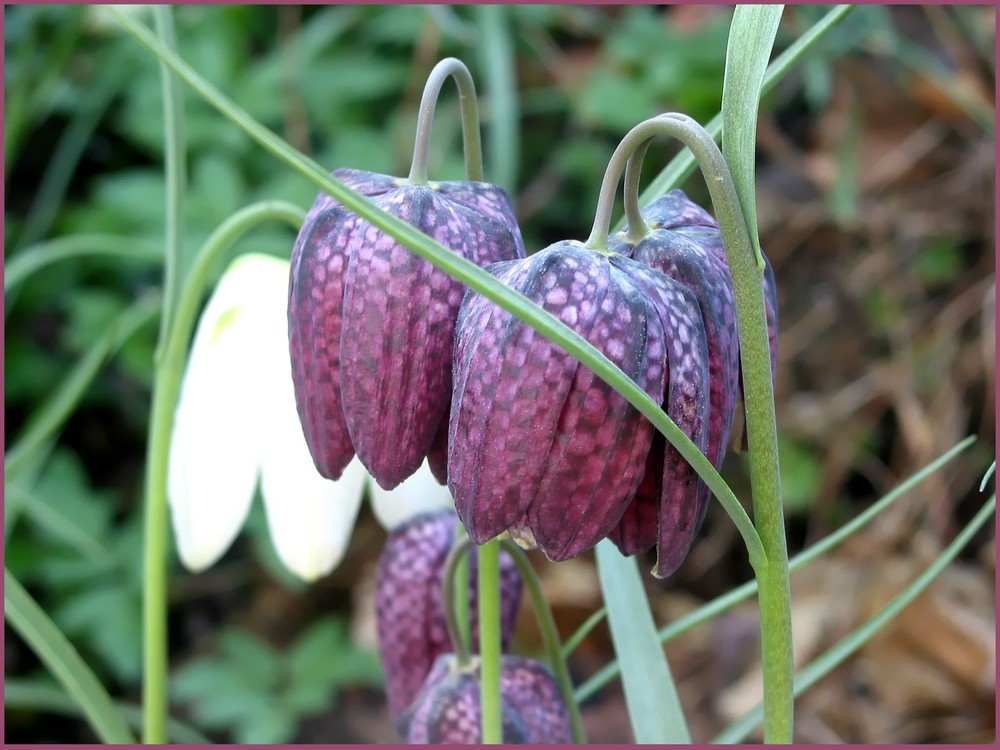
371, 325
537, 443
448, 709
236, 426
410, 616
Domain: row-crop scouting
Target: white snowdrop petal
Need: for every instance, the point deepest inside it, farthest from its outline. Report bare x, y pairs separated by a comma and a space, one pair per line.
213, 462
418, 494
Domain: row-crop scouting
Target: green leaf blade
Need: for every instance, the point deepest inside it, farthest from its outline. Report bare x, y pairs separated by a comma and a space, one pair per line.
650, 694
750, 42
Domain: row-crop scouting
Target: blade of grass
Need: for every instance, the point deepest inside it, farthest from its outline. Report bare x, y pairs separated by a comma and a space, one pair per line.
36, 257
835, 656
750, 42
63, 661
719, 605
654, 707
497, 60
54, 412
53, 521
27, 696
682, 165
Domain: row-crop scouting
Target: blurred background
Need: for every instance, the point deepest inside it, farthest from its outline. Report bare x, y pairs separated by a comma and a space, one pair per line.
876, 200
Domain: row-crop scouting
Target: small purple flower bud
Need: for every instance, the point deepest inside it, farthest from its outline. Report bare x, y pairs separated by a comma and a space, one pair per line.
448, 708
371, 325
410, 618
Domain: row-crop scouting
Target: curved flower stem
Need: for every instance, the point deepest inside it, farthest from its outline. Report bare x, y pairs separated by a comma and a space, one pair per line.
550, 636
637, 227
489, 642
758, 396
472, 144
453, 568
166, 387
176, 174
460, 596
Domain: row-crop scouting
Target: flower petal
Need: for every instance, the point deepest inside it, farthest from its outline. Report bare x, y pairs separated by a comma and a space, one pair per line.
215, 445
420, 493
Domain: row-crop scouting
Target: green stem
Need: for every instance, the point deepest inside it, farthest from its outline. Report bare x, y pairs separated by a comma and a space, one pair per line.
758, 395
550, 637
470, 120
727, 207
460, 597
176, 174
489, 642
853, 641
455, 565
637, 227
36, 257
166, 388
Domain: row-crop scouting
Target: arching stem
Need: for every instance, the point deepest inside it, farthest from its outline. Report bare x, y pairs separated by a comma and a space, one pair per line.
758, 391
452, 568
472, 144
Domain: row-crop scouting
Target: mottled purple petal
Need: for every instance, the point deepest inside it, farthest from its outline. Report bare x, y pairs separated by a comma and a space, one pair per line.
410, 619
448, 709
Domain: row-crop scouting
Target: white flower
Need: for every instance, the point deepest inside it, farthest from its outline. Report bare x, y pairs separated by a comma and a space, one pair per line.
236, 421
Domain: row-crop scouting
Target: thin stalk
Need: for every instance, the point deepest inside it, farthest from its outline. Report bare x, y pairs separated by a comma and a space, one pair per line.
758, 396
176, 174
166, 388
583, 631
728, 211
489, 642
471, 143
460, 596
550, 637
453, 567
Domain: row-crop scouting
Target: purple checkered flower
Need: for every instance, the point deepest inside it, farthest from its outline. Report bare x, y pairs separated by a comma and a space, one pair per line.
684, 243
410, 618
371, 325
448, 708
540, 446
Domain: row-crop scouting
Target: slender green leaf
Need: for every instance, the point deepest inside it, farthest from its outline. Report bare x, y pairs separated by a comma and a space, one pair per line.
682, 165
719, 605
986, 477
27, 695
54, 412
36, 257
650, 695
54, 521
750, 41
835, 656
497, 55
63, 661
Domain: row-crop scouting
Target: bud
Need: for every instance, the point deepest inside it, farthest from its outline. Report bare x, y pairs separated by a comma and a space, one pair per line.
412, 631
448, 708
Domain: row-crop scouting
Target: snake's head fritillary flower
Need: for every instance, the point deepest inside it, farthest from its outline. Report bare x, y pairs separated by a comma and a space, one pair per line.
684, 242
371, 325
448, 708
410, 617
236, 427
539, 445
